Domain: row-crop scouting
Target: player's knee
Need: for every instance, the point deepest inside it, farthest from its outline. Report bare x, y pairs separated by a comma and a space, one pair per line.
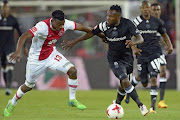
25, 88
144, 84
125, 83
72, 72
7, 68
163, 73
153, 81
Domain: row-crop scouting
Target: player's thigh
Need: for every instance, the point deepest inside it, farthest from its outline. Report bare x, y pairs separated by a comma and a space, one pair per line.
33, 70
143, 72
119, 69
59, 62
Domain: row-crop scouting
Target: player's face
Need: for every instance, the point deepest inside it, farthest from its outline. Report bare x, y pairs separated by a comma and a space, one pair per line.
112, 17
145, 9
5, 9
57, 24
156, 11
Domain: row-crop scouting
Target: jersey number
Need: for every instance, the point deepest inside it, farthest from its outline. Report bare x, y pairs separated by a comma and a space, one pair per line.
58, 58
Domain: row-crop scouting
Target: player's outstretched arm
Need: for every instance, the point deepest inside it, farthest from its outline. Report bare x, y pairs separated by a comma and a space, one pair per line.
166, 39
21, 41
69, 44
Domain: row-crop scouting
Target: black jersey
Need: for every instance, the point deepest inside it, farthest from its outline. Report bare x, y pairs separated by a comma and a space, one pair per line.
149, 29
117, 36
7, 25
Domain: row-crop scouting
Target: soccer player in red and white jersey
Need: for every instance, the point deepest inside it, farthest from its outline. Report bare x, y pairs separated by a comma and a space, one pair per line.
43, 54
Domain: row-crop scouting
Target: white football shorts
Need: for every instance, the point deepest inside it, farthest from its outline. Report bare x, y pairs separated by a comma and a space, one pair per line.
34, 67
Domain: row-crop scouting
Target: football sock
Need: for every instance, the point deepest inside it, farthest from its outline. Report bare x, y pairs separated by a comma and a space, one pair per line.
133, 94
120, 95
134, 82
162, 87
153, 93
17, 96
73, 83
8, 78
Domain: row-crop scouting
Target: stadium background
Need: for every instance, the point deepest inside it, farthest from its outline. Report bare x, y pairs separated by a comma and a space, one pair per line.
89, 56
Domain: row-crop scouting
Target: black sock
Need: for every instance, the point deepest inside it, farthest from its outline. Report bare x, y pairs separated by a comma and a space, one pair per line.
133, 94
162, 88
8, 78
153, 93
120, 95
134, 82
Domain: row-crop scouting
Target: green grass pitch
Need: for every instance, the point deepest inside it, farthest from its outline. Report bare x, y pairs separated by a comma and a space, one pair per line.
52, 105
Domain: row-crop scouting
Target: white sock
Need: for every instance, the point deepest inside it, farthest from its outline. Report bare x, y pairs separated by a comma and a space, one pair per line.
73, 83
162, 79
17, 96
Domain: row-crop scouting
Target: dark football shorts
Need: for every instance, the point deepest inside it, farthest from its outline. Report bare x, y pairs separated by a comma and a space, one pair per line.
5, 59
146, 69
121, 69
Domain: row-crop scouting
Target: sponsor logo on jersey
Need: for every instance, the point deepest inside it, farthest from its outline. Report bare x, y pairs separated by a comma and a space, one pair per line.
116, 39
6, 28
61, 33
52, 42
147, 31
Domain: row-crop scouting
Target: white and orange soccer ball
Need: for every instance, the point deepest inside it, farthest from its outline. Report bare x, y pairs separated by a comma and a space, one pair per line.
115, 111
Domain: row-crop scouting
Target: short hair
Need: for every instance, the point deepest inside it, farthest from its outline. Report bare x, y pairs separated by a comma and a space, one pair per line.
155, 4
5, 1
58, 14
117, 8
145, 2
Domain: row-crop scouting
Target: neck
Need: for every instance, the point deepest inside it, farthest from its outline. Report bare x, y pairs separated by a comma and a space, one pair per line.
117, 23
5, 15
147, 17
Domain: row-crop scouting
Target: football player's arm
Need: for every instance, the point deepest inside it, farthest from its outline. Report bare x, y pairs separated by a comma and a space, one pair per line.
162, 42
69, 44
135, 40
166, 39
21, 41
89, 29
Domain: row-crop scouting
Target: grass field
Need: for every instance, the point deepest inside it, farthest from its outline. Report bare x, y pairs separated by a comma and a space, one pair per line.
52, 105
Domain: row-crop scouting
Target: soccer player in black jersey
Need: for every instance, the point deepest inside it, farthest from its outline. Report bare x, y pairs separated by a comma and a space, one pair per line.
7, 43
149, 60
122, 36
156, 12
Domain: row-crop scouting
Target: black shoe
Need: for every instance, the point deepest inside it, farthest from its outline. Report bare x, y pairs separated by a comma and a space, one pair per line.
127, 99
8, 92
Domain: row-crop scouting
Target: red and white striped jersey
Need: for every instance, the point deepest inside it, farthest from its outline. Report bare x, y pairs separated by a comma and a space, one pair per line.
44, 38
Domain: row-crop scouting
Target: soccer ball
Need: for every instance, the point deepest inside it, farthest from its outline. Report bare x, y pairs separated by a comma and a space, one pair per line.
115, 111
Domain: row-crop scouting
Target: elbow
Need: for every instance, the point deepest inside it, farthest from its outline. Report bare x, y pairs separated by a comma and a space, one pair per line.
141, 40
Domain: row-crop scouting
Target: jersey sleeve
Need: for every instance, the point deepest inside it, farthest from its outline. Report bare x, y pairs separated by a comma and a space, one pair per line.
40, 29
97, 29
133, 29
161, 29
69, 25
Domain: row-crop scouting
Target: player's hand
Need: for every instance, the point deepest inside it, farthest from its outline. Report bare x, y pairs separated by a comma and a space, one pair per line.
67, 45
129, 43
136, 50
169, 50
15, 56
104, 40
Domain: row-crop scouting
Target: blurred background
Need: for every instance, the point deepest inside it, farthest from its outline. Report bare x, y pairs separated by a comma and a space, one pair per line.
89, 56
